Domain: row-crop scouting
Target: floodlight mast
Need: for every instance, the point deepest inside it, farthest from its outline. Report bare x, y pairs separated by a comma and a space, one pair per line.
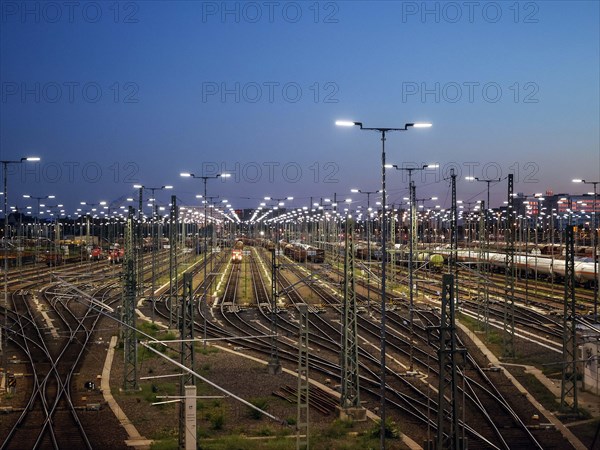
383, 132
205, 179
4, 344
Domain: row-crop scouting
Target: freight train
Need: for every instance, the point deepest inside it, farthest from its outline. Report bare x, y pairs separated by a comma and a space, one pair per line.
304, 252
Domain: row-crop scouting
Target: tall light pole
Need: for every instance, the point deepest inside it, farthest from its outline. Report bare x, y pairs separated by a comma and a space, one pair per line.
274, 364
486, 220
154, 241
594, 242
412, 202
36, 223
5, 164
368, 217
205, 180
279, 202
488, 181
383, 132
92, 210
55, 241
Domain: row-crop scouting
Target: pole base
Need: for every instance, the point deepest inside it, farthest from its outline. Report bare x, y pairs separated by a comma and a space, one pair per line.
353, 413
274, 367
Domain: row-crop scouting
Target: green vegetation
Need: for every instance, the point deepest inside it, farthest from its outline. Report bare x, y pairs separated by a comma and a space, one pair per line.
391, 430
339, 428
339, 436
151, 391
165, 444
217, 419
539, 391
261, 403
208, 350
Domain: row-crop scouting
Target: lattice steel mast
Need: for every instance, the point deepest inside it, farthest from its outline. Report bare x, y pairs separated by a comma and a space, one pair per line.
302, 441
129, 288
448, 436
274, 363
508, 337
350, 381
173, 227
186, 329
569, 371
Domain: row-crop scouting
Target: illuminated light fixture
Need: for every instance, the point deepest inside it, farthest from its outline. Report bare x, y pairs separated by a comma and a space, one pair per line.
345, 123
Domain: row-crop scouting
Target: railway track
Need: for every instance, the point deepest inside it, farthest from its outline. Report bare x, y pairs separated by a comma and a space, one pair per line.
50, 418
416, 404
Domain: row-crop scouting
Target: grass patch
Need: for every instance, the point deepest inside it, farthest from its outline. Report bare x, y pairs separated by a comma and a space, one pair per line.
208, 350
238, 442
391, 430
339, 428
261, 403
149, 391
165, 444
217, 419
539, 391
165, 434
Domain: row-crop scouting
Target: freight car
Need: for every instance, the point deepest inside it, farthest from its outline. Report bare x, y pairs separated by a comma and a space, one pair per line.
304, 253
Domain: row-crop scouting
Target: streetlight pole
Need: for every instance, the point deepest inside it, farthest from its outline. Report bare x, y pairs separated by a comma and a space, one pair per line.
154, 241
274, 364
5, 164
36, 223
55, 242
383, 132
205, 180
368, 221
412, 201
594, 243
486, 220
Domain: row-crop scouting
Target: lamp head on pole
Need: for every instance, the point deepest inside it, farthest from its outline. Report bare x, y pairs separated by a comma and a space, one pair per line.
347, 123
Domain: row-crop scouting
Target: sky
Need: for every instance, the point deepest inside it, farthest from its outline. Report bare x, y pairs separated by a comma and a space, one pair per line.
112, 94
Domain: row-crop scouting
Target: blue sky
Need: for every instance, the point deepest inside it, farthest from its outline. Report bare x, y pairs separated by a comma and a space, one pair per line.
111, 96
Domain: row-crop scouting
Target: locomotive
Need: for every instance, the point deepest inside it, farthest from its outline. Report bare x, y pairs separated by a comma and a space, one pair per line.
237, 252
116, 255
